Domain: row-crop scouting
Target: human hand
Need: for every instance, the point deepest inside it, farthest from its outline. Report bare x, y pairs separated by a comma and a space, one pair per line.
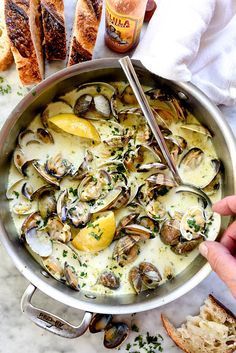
222, 256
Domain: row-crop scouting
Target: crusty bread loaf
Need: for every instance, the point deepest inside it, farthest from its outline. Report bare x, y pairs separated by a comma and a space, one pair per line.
212, 331
84, 34
24, 30
53, 19
6, 58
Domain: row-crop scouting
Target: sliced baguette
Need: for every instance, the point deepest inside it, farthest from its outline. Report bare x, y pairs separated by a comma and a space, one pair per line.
53, 19
6, 57
24, 30
212, 331
85, 30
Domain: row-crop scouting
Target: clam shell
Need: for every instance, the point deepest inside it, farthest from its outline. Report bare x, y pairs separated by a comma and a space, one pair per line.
100, 322
39, 242
115, 335
109, 280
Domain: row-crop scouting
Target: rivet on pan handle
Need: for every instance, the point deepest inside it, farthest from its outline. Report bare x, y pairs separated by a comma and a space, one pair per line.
49, 321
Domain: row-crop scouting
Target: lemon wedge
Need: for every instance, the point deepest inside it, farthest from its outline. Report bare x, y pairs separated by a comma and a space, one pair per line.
75, 126
98, 233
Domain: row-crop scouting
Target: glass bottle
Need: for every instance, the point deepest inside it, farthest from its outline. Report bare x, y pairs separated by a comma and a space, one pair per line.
124, 20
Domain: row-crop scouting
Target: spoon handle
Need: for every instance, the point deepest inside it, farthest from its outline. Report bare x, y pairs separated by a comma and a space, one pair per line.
132, 77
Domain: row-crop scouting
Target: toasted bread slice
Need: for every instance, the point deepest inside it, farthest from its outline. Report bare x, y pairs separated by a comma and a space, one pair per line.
23, 21
212, 331
85, 30
6, 57
53, 19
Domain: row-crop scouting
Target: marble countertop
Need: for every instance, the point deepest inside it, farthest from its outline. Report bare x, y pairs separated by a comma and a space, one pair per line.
18, 334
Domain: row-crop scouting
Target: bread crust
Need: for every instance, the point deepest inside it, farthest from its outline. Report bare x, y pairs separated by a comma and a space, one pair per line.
17, 15
53, 19
6, 57
85, 30
173, 334
227, 315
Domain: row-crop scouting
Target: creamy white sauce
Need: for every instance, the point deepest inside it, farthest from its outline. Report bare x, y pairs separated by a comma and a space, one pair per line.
91, 265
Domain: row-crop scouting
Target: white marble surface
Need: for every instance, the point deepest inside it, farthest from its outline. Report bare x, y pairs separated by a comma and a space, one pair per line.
18, 334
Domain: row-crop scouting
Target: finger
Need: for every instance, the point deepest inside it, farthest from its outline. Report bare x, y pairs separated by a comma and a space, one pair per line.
221, 261
226, 206
229, 238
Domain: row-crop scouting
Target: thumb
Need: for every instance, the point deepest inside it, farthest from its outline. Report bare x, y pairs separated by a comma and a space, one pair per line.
221, 261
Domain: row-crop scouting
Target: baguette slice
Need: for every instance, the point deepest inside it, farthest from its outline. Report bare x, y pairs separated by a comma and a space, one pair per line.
53, 19
212, 331
85, 30
24, 30
6, 57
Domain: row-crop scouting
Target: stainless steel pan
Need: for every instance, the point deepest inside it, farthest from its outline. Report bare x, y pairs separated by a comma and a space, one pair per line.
65, 80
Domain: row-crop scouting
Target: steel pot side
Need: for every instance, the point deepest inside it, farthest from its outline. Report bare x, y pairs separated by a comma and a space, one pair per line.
25, 111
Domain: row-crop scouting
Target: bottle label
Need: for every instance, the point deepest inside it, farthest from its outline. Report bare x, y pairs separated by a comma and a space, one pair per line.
122, 31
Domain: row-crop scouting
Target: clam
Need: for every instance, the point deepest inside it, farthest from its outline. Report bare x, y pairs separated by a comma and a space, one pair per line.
12, 192
71, 277
44, 136
139, 156
155, 210
213, 186
34, 220
54, 267
49, 189
109, 279
47, 203
149, 166
39, 241
150, 275
186, 246
21, 162
22, 208
95, 186
83, 104
57, 166
27, 190
58, 230
61, 254
170, 232
126, 249
197, 128
79, 213
44, 174
124, 222
193, 223
137, 229
117, 141
102, 105
84, 168
108, 202
128, 96
62, 205
135, 279
100, 322
102, 101
192, 159
115, 335
161, 179
150, 224
53, 109
26, 137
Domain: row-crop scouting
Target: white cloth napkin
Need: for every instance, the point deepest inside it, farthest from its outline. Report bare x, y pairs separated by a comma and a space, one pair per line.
194, 40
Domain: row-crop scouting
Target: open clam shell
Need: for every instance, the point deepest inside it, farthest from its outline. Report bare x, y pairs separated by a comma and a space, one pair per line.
100, 322
193, 223
39, 241
115, 335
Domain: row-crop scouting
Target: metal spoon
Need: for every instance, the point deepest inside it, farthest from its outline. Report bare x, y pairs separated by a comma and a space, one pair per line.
132, 77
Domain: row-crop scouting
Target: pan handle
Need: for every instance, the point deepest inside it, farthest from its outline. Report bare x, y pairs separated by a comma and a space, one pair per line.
49, 321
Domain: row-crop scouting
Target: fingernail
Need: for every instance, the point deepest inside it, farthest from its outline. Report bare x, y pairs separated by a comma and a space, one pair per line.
203, 249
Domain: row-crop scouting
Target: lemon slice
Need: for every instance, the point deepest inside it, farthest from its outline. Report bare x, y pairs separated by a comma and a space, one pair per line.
75, 126
98, 233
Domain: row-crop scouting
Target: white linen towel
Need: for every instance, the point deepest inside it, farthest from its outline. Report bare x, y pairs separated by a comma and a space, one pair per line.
194, 40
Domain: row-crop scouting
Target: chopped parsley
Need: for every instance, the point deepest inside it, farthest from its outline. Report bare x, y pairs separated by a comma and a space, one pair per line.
134, 328
73, 191
146, 343
16, 194
4, 87
193, 225
64, 254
